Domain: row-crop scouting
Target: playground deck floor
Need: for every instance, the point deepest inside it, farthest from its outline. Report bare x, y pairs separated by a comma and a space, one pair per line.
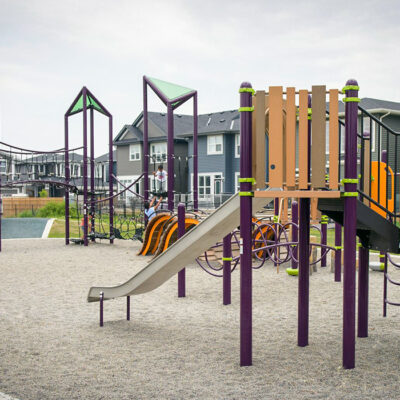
51, 346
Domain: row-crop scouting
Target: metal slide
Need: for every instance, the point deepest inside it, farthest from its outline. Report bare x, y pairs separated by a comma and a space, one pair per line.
182, 253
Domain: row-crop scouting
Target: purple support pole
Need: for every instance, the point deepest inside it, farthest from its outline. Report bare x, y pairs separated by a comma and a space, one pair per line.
195, 156
101, 308
110, 176
246, 284
304, 258
226, 277
92, 175
350, 218
324, 233
67, 178
145, 143
170, 151
181, 232
85, 170
338, 253
128, 308
295, 232
363, 280
276, 217
304, 272
384, 286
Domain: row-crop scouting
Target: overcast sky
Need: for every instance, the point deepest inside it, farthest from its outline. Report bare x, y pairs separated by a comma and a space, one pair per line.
49, 49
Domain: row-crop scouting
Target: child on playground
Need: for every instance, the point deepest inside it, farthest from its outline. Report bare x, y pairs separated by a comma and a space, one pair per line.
149, 209
82, 224
161, 178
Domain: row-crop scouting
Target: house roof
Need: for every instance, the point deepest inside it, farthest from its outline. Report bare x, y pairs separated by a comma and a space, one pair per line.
220, 122
104, 157
223, 121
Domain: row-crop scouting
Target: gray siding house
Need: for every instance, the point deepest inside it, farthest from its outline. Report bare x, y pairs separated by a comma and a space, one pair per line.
219, 147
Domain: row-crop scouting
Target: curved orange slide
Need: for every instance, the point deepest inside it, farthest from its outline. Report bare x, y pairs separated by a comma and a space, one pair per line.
153, 233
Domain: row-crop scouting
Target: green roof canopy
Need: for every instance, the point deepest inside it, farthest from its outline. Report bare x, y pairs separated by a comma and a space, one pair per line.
90, 103
170, 90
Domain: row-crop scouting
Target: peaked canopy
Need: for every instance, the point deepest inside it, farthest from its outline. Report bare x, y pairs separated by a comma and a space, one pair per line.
90, 103
170, 90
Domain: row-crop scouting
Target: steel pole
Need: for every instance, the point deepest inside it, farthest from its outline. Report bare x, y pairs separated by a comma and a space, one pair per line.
67, 178
145, 143
363, 281
226, 277
85, 170
170, 151
338, 252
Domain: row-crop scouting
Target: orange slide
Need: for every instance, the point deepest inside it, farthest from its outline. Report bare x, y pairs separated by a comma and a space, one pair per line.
162, 231
379, 172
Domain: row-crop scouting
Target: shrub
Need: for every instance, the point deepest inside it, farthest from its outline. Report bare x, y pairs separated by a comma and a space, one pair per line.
52, 210
44, 193
26, 214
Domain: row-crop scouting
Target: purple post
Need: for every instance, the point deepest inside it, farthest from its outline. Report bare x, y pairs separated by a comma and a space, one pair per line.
110, 176
85, 181
245, 228
181, 232
304, 260
92, 173
145, 143
384, 285
338, 252
226, 277
304, 272
295, 232
195, 156
276, 219
350, 216
67, 178
170, 151
363, 280
324, 233
101, 308
128, 308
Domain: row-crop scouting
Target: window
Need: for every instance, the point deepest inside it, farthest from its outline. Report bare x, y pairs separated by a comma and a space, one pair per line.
237, 145
134, 152
3, 166
214, 144
41, 169
369, 126
158, 152
237, 184
210, 184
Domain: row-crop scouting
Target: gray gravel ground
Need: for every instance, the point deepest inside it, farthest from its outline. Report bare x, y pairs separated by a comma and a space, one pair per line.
52, 347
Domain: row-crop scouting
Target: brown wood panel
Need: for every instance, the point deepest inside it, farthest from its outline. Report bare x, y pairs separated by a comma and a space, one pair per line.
303, 139
259, 131
318, 137
321, 194
366, 173
291, 137
333, 139
275, 132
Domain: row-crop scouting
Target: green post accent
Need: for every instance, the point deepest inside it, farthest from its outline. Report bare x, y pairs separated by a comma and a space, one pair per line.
241, 109
351, 100
227, 259
349, 194
247, 180
292, 271
244, 194
247, 90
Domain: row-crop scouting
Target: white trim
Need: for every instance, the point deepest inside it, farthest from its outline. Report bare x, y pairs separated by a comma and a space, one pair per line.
215, 152
236, 183
237, 137
47, 228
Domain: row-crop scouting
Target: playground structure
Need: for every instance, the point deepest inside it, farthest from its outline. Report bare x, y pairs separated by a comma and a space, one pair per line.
173, 96
60, 169
297, 169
